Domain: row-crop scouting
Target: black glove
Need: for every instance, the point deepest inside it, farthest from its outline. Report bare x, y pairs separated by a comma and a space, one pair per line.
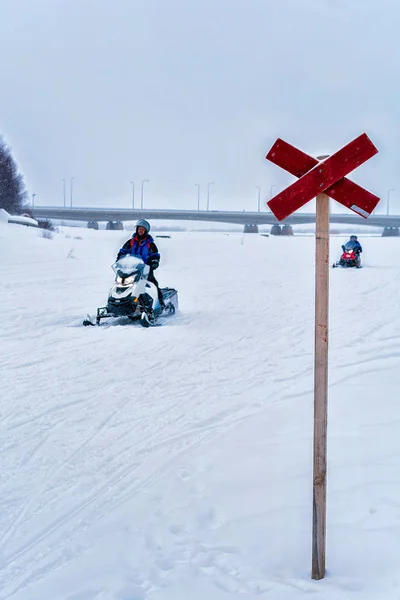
154, 263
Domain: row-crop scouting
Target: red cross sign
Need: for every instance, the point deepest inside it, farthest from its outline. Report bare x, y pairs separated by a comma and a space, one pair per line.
327, 176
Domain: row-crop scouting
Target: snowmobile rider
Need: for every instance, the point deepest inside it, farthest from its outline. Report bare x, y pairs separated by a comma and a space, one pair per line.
357, 247
142, 245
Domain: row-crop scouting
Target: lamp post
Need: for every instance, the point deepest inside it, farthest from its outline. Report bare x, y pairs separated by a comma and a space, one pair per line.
71, 184
388, 200
272, 187
64, 191
133, 194
141, 196
33, 199
208, 193
259, 197
198, 195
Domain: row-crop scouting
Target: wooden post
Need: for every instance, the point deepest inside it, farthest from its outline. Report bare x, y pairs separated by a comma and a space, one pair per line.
319, 179
320, 384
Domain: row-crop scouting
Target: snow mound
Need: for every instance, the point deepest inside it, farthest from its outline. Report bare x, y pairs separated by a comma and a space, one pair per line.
4, 216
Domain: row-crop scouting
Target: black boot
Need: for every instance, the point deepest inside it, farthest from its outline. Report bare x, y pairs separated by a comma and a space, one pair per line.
161, 298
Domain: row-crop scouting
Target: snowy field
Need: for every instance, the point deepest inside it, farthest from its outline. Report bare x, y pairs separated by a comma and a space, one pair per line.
175, 463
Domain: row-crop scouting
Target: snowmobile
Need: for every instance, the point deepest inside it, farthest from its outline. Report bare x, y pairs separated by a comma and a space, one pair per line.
350, 256
133, 296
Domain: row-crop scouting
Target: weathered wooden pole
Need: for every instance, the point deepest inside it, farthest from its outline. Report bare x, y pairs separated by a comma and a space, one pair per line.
320, 385
317, 179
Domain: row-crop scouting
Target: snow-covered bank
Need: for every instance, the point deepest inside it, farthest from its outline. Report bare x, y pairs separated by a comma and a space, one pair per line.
175, 463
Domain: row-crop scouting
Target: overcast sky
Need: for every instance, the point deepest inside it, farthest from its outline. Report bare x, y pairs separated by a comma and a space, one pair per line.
192, 91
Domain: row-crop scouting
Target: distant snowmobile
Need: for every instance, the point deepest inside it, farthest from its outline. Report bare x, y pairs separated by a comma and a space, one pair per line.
133, 296
350, 256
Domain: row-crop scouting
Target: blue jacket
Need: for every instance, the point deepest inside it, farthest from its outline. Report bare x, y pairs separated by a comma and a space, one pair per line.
143, 248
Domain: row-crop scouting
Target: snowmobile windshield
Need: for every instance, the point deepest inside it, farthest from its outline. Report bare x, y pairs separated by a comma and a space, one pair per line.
350, 245
128, 265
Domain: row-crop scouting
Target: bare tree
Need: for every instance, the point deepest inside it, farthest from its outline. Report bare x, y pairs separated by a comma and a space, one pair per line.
13, 194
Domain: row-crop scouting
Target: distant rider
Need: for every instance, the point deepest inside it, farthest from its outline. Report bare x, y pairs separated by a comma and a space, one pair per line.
357, 245
142, 245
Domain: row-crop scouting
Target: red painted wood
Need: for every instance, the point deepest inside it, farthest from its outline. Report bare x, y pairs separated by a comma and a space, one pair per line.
352, 195
322, 176
345, 191
290, 158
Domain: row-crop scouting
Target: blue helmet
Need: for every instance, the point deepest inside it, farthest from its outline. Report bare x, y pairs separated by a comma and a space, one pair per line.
143, 223
353, 238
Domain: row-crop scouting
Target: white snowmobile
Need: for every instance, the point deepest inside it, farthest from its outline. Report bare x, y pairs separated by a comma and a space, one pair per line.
133, 296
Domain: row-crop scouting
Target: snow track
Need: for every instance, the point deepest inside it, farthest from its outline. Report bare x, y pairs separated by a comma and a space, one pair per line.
175, 462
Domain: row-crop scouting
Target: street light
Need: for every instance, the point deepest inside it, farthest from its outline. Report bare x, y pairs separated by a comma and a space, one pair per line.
388, 200
141, 196
133, 194
71, 182
33, 199
272, 186
208, 193
259, 197
198, 195
64, 192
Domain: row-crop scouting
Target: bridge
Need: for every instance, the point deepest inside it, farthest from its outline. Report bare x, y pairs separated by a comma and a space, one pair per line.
116, 216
